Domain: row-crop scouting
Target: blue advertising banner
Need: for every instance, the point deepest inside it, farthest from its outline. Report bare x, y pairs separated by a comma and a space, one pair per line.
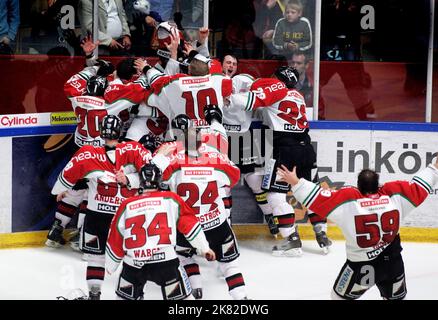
37, 161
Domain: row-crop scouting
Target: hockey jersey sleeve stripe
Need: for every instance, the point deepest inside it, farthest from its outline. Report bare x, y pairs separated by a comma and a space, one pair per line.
155, 77
112, 255
64, 182
142, 82
311, 196
84, 76
423, 184
250, 103
192, 235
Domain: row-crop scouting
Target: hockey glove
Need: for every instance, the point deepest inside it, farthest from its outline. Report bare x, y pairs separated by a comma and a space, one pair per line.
212, 112
82, 184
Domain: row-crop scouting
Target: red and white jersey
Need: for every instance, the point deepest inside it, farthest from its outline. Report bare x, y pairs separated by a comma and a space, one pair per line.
144, 230
93, 163
90, 110
146, 123
183, 94
369, 223
279, 108
235, 119
123, 94
199, 179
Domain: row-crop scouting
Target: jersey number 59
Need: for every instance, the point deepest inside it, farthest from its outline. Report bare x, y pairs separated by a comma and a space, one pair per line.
368, 228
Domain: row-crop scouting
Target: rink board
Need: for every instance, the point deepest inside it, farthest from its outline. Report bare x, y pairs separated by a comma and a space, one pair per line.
36, 147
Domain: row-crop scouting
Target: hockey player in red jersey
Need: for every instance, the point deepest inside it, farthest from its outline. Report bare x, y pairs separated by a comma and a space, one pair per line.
198, 175
283, 110
369, 217
143, 236
85, 90
129, 91
111, 173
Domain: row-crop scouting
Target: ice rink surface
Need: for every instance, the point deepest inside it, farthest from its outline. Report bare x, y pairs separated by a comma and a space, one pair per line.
46, 273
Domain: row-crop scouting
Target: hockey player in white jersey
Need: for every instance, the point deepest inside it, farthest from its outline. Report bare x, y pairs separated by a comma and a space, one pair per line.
110, 174
282, 109
369, 217
197, 173
143, 236
188, 94
245, 152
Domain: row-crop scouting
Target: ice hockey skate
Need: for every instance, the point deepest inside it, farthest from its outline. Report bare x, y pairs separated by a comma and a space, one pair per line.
197, 293
94, 293
54, 237
74, 240
272, 225
323, 241
291, 248
75, 294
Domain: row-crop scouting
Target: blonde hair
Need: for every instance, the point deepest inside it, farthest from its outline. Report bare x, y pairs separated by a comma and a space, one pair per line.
294, 4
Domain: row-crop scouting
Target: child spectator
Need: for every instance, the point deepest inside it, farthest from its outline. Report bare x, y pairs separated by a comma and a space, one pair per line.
293, 33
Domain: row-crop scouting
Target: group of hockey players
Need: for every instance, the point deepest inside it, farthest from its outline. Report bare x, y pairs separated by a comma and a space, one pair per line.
152, 176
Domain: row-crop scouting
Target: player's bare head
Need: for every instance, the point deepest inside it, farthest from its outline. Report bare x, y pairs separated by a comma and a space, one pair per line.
126, 69
199, 66
368, 182
229, 65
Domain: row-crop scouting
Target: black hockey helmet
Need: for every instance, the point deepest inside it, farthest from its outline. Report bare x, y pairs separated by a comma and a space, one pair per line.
151, 142
288, 75
150, 176
111, 127
96, 86
182, 122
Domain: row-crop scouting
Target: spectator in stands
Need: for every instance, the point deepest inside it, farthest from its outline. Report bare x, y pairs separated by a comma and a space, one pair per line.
163, 7
9, 22
268, 12
114, 35
239, 37
46, 32
192, 12
142, 23
293, 33
300, 61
